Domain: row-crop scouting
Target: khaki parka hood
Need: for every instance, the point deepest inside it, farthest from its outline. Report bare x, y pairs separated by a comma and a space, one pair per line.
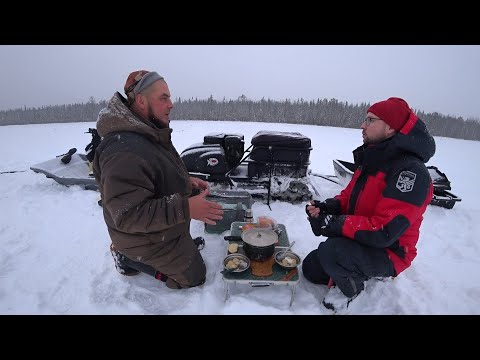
118, 117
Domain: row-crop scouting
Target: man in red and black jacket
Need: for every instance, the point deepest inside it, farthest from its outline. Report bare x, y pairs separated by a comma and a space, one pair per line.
373, 224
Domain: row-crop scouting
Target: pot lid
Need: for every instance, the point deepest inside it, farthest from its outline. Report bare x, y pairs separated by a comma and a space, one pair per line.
260, 237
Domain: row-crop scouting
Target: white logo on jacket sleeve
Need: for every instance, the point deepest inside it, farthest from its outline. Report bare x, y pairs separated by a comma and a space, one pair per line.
405, 181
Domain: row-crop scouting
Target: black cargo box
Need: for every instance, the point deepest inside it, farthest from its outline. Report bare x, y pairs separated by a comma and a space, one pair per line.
282, 139
280, 147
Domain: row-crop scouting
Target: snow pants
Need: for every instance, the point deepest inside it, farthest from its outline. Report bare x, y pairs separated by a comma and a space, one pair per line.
348, 263
178, 263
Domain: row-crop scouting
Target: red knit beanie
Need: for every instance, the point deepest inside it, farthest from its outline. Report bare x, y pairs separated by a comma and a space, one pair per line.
394, 111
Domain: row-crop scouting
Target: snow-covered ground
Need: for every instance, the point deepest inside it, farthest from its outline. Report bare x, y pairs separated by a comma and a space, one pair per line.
54, 257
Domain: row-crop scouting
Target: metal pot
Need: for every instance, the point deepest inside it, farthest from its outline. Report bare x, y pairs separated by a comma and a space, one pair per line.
259, 243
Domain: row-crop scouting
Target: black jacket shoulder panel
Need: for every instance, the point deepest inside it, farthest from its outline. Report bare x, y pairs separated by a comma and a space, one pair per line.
408, 180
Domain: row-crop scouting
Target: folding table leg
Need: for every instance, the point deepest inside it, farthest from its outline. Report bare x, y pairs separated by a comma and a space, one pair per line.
227, 294
293, 294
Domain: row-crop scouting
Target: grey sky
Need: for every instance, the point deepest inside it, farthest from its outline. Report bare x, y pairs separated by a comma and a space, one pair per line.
445, 78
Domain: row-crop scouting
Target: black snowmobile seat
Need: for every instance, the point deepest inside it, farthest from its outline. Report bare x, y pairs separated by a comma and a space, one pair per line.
219, 138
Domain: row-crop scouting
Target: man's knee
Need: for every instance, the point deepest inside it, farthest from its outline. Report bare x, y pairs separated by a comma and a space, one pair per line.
172, 284
309, 266
335, 250
327, 251
313, 270
194, 275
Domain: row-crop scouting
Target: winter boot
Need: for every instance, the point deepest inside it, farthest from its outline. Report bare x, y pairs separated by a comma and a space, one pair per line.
336, 301
199, 242
120, 265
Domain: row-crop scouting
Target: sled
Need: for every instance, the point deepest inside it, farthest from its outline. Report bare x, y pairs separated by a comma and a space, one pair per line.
72, 168
75, 172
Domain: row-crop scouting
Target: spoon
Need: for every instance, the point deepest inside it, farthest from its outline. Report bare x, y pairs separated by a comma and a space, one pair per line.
282, 255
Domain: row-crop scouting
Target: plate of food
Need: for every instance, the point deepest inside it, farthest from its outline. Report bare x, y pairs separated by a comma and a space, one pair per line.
236, 263
287, 260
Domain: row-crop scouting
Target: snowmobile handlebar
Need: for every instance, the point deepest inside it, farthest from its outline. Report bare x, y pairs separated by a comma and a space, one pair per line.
69, 152
67, 157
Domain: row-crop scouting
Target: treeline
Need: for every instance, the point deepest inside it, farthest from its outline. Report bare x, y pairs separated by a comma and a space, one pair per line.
53, 113
315, 112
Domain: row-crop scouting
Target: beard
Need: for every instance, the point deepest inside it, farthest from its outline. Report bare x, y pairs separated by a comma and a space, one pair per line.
151, 117
365, 139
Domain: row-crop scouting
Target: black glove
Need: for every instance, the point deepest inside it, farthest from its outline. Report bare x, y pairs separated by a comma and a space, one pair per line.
319, 223
333, 226
318, 204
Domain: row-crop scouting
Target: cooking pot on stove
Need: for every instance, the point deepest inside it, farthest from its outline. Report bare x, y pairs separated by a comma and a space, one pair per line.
259, 243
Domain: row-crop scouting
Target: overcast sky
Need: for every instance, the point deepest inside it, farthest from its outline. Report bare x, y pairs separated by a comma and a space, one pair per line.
432, 78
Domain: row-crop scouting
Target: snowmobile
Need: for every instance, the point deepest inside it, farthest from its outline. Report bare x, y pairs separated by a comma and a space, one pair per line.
274, 166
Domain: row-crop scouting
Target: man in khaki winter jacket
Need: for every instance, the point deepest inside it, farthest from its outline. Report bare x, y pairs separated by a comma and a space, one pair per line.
146, 189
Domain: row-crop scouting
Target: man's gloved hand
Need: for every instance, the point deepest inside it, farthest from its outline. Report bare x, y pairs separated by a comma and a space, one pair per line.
333, 226
316, 211
315, 208
319, 223
327, 225
322, 221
